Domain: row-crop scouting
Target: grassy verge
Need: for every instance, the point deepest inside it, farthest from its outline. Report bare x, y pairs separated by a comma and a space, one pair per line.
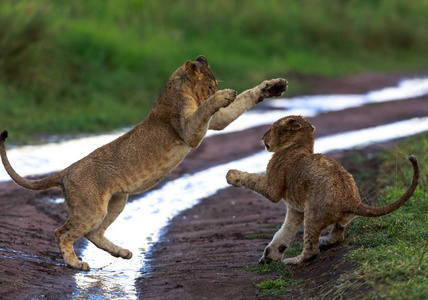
87, 66
389, 253
392, 249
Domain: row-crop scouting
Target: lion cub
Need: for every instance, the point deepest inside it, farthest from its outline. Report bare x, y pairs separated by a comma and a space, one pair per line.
96, 187
316, 189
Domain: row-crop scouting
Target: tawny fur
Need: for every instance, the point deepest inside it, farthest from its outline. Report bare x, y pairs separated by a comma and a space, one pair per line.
96, 187
316, 189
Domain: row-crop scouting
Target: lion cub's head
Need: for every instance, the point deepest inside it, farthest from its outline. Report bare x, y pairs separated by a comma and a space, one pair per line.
200, 78
287, 132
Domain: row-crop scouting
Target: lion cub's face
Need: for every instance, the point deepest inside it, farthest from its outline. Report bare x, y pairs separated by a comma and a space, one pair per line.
199, 73
287, 132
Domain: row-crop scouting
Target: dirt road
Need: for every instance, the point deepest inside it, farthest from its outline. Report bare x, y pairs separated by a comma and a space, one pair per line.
204, 250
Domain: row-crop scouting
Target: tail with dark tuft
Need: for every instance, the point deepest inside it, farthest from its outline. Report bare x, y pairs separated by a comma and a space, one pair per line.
3, 135
52, 181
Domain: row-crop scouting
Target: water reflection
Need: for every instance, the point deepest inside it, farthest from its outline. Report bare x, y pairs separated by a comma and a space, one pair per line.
43, 159
310, 106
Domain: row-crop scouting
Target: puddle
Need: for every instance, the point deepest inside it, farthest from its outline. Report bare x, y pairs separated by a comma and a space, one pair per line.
140, 223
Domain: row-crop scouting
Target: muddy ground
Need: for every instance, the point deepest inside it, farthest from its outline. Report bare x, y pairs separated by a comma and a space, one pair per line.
204, 251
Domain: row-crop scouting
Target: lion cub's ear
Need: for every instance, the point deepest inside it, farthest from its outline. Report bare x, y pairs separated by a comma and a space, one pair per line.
289, 125
193, 71
292, 124
203, 60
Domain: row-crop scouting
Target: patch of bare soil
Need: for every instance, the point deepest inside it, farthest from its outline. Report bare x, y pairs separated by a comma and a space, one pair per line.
203, 252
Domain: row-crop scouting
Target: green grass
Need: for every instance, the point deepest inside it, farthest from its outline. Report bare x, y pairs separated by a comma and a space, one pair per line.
269, 268
68, 67
392, 249
279, 286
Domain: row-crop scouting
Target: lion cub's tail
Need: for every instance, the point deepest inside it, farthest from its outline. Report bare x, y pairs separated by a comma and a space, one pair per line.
53, 181
370, 211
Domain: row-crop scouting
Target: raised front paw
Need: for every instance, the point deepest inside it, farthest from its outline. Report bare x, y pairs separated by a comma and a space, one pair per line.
272, 88
225, 97
233, 178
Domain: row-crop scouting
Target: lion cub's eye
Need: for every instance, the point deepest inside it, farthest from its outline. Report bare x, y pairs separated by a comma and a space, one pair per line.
282, 248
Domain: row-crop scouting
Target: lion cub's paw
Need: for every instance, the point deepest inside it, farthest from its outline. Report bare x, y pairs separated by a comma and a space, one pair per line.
233, 178
125, 253
326, 243
85, 266
293, 260
272, 88
81, 265
225, 97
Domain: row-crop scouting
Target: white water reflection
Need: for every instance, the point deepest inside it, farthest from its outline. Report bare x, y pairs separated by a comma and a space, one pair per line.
42, 159
310, 106
406, 89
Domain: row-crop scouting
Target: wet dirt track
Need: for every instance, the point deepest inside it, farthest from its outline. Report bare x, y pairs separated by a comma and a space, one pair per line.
204, 251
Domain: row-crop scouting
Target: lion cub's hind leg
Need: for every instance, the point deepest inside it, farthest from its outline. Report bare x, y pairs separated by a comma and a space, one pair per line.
84, 217
96, 236
336, 235
313, 226
74, 228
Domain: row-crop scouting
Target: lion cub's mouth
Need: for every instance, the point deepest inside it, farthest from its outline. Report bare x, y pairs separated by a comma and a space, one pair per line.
264, 144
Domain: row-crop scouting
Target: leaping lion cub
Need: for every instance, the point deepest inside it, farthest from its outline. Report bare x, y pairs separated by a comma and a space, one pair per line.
96, 187
317, 190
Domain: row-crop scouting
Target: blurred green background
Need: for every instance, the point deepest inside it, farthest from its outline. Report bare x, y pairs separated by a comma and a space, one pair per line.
68, 67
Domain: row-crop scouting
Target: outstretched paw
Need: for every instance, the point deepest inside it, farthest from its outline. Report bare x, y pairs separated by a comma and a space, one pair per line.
233, 178
225, 97
273, 88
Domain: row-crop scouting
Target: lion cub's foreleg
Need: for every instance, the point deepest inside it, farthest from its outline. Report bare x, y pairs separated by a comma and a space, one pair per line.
255, 182
246, 100
194, 123
283, 237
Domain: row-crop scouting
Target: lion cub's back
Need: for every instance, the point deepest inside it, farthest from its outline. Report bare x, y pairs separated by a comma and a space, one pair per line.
324, 177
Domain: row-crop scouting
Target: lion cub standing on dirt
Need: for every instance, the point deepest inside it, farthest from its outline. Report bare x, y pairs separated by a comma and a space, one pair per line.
96, 187
317, 190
